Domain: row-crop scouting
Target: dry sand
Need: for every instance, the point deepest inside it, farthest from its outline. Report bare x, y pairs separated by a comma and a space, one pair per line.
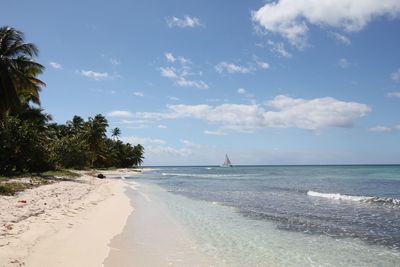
67, 223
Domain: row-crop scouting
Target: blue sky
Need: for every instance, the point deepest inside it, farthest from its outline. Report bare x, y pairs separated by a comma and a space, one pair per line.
268, 82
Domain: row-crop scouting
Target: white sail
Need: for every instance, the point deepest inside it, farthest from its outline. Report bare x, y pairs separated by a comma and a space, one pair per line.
227, 162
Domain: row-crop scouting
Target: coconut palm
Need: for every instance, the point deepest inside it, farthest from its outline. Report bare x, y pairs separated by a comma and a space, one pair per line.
76, 125
138, 152
35, 116
96, 136
18, 71
77, 122
116, 132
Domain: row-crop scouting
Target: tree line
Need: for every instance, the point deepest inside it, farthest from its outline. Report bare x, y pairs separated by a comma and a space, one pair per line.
29, 140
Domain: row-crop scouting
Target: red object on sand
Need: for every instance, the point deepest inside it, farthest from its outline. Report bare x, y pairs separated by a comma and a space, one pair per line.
22, 201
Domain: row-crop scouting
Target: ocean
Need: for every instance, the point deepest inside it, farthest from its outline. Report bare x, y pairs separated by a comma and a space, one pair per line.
286, 215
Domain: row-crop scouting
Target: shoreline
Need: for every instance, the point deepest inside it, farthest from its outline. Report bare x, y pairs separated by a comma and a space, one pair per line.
153, 236
66, 223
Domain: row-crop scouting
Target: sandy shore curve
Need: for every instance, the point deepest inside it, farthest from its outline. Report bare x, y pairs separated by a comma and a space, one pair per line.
67, 223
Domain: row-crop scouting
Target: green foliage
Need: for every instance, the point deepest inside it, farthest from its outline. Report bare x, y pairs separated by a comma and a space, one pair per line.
14, 186
71, 152
127, 155
116, 132
18, 72
23, 147
81, 144
9, 189
28, 143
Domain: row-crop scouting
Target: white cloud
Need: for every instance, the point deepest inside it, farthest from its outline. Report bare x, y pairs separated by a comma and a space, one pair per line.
380, 129
161, 126
170, 57
134, 124
168, 72
343, 63
190, 144
262, 65
183, 82
120, 113
340, 38
394, 94
215, 100
55, 65
291, 18
185, 22
166, 154
283, 112
179, 73
138, 94
233, 68
134, 140
94, 75
396, 75
154, 151
315, 113
241, 91
384, 129
173, 98
131, 121
279, 49
217, 132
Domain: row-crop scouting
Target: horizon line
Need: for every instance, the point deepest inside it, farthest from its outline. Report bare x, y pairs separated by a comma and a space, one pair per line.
279, 165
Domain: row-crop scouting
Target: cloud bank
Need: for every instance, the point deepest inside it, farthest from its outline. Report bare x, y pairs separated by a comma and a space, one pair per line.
281, 112
291, 18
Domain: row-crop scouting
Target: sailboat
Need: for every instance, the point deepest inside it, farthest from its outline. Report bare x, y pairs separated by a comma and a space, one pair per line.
227, 162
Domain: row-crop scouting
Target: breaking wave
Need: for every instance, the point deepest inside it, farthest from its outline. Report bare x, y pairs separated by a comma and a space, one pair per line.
365, 199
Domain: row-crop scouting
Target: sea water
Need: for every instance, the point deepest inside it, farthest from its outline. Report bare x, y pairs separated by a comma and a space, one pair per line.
286, 215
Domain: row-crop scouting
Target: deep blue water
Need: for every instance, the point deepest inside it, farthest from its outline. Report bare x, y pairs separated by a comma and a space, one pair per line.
361, 202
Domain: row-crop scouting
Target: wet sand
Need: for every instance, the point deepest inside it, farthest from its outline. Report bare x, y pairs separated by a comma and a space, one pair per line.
152, 236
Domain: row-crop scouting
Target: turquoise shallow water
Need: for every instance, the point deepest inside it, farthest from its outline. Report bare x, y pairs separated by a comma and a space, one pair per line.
287, 216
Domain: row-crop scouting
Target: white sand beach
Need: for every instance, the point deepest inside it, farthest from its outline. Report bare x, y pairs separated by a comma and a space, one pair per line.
88, 221
66, 223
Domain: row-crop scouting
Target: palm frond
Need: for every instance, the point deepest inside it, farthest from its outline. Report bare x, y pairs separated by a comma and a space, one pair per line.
18, 72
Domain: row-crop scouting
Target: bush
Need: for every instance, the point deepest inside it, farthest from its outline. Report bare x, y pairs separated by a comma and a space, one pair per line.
9, 189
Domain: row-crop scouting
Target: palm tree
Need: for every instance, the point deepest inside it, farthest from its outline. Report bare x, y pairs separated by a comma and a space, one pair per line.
96, 136
116, 132
77, 122
18, 71
35, 116
138, 152
76, 125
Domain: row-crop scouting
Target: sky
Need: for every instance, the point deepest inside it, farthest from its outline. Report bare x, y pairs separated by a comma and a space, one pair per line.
268, 82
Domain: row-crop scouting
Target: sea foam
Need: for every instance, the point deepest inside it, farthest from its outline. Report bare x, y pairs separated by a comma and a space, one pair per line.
337, 196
